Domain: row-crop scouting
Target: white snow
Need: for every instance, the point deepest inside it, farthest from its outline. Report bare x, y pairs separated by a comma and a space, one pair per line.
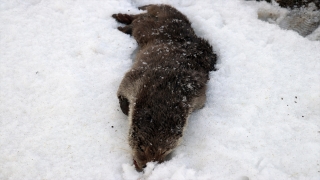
61, 63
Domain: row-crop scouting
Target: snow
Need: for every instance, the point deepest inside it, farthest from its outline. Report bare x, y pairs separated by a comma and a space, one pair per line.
61, 63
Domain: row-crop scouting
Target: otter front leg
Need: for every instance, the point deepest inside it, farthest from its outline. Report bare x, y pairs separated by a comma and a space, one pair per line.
200, 100
124, 105
128, 89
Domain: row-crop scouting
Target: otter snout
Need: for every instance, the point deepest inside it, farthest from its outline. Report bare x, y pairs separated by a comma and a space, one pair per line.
141, 158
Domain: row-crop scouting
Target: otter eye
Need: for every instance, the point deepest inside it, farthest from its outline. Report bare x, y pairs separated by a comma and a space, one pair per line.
141, 150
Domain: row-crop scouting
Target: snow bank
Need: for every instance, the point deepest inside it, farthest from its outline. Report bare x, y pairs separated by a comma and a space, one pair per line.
61, 63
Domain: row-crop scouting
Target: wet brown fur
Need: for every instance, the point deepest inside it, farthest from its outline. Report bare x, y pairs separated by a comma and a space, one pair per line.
166, 82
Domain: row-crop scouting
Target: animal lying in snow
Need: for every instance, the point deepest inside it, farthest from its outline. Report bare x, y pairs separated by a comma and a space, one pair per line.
166, 82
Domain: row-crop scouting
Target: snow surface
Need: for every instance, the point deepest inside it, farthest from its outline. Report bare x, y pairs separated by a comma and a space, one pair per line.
61, 63
304, 20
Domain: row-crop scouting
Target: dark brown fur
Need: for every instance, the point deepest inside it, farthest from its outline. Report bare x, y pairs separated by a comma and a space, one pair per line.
166, 82
297, 3
292, 4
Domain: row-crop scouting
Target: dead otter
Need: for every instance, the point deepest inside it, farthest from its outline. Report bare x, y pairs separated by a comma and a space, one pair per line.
166, 82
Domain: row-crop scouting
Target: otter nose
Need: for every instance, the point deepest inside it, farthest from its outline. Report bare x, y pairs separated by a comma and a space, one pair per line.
157, 158
138, 168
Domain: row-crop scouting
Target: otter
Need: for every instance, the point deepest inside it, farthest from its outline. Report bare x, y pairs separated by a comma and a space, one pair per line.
166, 82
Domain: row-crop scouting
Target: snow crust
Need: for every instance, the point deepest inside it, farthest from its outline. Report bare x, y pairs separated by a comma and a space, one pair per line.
61, 63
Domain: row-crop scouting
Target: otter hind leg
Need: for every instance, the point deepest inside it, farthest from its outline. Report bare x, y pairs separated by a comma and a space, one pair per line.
123, 18
126, 29
124, 105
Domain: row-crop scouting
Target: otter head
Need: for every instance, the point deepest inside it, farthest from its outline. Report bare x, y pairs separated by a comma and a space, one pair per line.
153, 137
